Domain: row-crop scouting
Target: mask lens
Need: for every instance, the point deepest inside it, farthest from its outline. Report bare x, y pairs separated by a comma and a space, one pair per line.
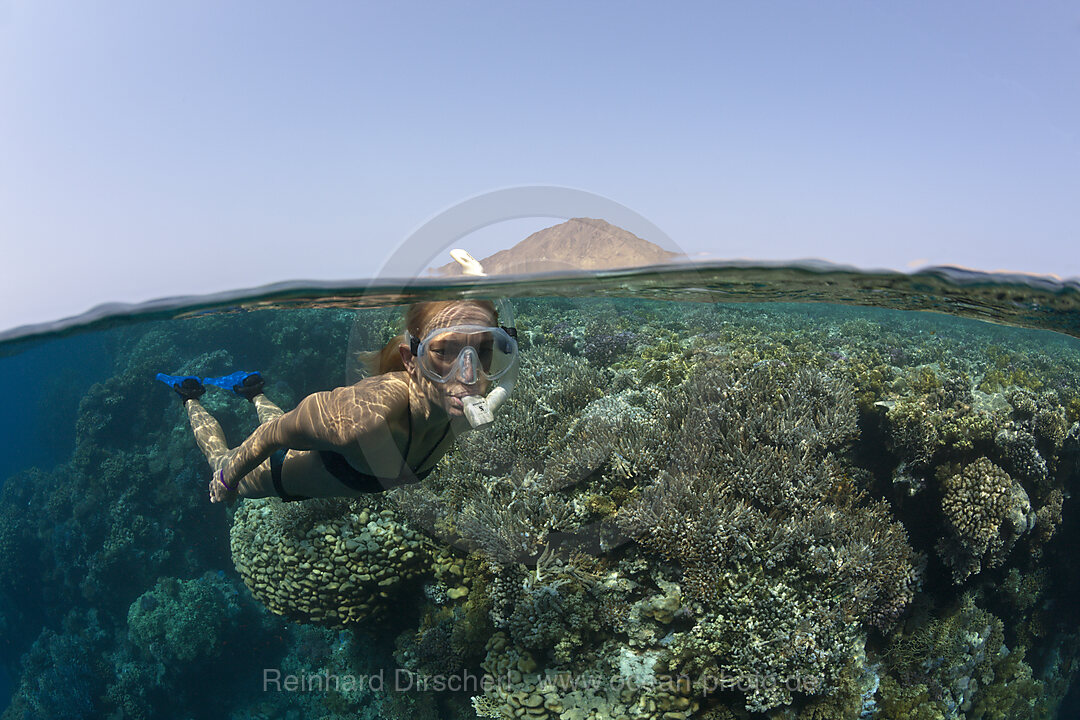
467, 351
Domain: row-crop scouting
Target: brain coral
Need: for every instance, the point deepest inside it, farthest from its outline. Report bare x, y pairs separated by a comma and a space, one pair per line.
986, 511
327, 562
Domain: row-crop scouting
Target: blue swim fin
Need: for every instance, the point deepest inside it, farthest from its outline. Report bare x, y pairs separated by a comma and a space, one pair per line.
243, 383
187, 387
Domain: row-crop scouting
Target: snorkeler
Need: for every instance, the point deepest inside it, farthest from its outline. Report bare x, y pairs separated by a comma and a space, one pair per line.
432, 384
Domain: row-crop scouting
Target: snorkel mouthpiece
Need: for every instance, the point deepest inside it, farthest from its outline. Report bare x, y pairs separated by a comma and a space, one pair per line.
477, 411
480, 410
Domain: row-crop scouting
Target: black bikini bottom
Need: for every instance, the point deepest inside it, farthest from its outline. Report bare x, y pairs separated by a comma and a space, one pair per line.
339, 467
350, 477
276, 461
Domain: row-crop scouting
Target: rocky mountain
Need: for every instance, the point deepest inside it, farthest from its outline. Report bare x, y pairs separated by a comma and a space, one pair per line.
577, 244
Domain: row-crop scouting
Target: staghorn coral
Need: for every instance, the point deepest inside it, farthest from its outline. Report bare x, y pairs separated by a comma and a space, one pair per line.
779, 553
986, 511
956, 663
511, 522
753, 500
621, 431
601, 347
327, 562
751, 488
553, 387
665, 360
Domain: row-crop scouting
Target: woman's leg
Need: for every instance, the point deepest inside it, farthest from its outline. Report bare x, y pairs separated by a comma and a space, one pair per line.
211, 440
267, 410
208, 434
306, 476
259, 483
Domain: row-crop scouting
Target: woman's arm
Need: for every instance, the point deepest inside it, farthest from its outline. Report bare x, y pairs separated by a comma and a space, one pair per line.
331, 420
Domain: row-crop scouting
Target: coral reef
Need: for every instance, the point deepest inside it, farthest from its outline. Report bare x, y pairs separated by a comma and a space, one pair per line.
684, 511
957, 665
62, 674
778, 551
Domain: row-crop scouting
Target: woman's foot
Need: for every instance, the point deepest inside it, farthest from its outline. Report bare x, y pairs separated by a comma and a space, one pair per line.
243, 383
187, 387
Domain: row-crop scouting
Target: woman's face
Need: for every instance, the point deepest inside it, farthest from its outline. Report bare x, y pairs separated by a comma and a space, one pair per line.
444, 351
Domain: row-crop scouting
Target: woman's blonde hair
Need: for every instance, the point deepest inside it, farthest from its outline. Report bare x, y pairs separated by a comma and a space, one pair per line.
417, 319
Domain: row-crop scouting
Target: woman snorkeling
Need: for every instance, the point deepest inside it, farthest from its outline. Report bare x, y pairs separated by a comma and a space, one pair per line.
433, 383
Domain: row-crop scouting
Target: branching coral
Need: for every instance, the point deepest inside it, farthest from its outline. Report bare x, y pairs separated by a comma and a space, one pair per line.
622, 431
62, 673
758, 550
959, 658
552, 389
510, 522
778, 550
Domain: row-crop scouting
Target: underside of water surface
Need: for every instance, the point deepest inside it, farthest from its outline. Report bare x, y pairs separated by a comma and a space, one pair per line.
686, 510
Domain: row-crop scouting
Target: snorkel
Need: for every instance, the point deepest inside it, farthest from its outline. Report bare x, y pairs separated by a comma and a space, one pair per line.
479, 410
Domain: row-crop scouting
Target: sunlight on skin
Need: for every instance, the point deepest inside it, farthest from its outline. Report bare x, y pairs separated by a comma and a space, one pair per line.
365, 422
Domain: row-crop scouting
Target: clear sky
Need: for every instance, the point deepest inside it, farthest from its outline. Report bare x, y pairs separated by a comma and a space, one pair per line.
150, 149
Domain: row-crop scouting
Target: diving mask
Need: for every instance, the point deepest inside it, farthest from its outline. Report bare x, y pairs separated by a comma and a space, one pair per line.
466, 353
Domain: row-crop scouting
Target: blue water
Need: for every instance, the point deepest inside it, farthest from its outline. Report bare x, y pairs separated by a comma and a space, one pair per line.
41, 389
5, 687
123, 593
